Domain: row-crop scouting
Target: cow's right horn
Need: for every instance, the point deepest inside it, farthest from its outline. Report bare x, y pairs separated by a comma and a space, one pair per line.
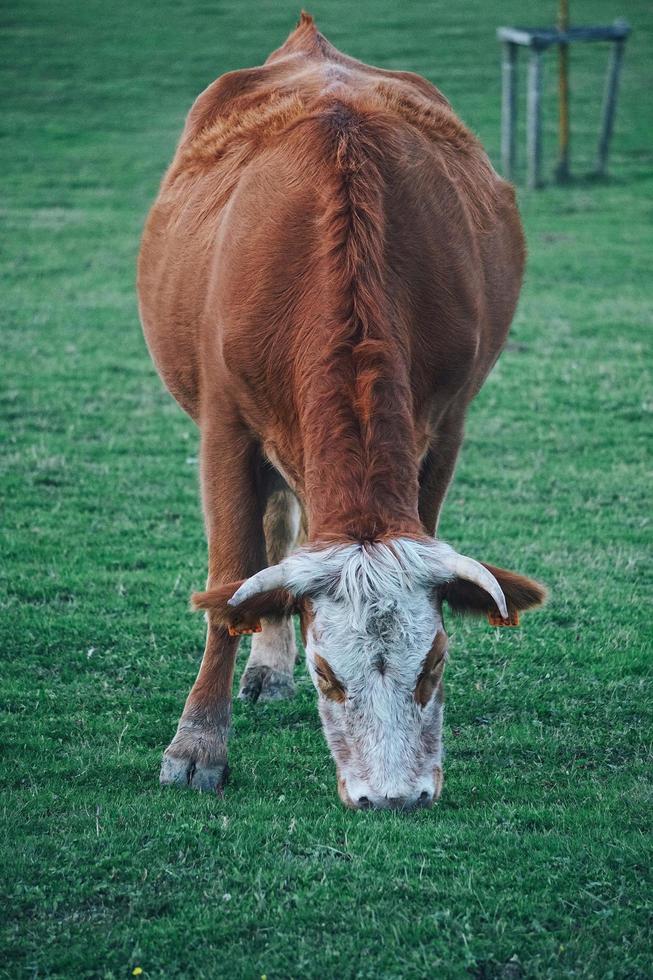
468, 568
264, 581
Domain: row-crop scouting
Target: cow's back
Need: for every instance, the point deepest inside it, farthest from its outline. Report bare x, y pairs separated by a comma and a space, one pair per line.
233, 276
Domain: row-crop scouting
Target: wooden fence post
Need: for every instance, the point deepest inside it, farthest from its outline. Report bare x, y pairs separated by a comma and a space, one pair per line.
538, 40
534, 119
562, 169
509, 109
609, 105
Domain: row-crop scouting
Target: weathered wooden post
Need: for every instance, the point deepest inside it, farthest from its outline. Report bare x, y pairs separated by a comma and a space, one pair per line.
610, 100
509, 109
537, 40
534, 119
562, 170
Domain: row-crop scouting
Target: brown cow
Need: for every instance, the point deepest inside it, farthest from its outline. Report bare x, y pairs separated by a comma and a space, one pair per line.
326, 278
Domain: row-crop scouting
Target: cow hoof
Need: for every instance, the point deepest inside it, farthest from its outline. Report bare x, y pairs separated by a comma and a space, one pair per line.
176, 771
261, 683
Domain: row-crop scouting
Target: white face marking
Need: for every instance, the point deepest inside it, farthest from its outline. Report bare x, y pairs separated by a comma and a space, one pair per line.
374, 622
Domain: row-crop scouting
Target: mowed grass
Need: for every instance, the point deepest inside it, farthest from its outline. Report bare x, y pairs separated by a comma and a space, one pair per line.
536, 862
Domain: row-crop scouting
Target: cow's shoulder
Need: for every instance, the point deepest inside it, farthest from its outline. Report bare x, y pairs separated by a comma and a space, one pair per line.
416, 85
233, 91
288, 69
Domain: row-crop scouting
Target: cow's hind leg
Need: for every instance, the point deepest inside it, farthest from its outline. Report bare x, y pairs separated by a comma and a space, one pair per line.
233, 508
268, 675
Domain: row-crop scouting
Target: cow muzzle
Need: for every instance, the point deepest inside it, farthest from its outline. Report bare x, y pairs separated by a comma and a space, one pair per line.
362, 798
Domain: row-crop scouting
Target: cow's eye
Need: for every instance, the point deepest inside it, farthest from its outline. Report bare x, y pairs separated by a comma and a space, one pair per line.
328, 683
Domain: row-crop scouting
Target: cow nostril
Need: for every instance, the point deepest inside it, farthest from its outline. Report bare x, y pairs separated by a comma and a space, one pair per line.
424, 796
363, 802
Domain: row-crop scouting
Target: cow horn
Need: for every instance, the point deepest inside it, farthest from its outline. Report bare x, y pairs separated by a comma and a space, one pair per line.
467, 568
263, 581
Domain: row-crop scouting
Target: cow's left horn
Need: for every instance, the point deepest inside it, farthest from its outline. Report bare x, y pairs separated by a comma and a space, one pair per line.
265, 580
463, 567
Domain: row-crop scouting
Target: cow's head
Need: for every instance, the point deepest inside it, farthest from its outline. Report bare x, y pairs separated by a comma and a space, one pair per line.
376, 649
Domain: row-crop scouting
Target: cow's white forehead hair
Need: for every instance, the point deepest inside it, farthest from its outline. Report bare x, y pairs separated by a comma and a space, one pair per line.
361, 572
373, 607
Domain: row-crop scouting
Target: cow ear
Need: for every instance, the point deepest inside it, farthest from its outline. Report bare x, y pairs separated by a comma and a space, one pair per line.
246, 616
520, 592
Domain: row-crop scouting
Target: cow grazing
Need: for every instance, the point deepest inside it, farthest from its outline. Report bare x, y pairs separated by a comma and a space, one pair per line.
326, 278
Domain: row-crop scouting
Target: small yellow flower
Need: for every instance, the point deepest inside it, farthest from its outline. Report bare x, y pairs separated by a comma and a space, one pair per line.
136, 972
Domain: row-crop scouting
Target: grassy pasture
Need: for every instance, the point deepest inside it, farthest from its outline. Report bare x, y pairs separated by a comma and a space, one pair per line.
536, 861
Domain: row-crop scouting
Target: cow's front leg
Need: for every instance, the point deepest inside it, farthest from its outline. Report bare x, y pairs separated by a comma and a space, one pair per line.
268, 675
197, 755
269, 672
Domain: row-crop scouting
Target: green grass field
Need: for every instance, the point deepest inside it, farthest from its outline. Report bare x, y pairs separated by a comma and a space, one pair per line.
536, 862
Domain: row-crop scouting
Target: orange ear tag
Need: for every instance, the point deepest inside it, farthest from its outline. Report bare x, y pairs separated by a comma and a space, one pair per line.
495, 619
245, 631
